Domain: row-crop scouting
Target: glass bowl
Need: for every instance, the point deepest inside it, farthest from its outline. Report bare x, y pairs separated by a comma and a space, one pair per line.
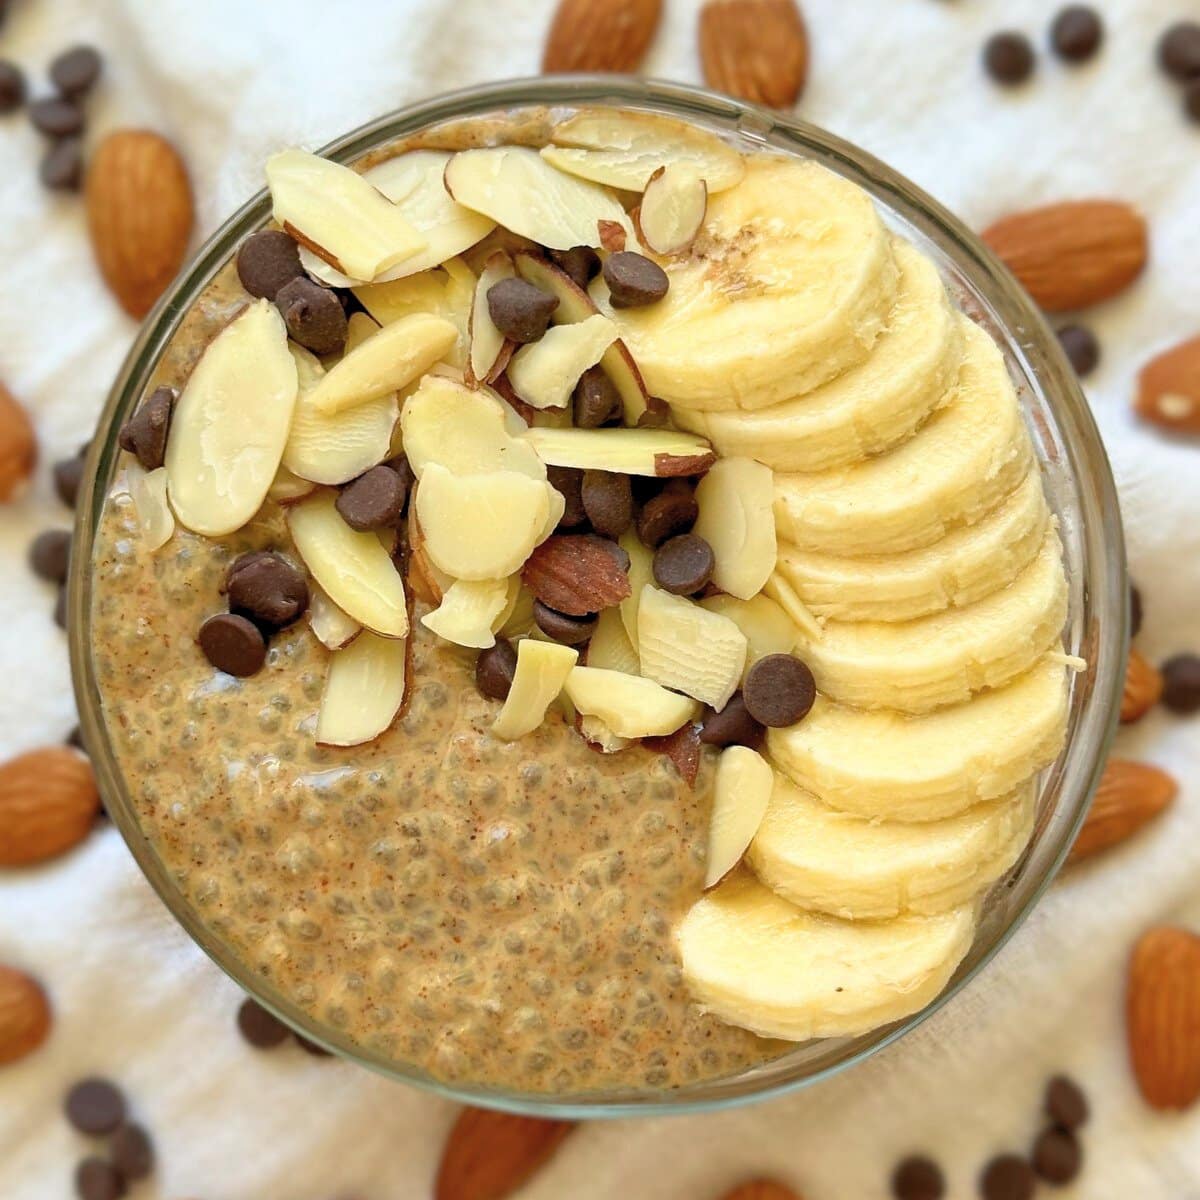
1076, 471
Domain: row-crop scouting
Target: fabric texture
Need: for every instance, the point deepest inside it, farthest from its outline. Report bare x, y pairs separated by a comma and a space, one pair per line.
230, 81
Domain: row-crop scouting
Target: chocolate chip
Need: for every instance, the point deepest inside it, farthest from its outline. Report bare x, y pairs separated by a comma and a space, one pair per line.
634, 280
262, 1029
1135, 609
375, 500
49, 555
12, 86
268, 261
1181, 684
75, 740
56, 117
1191, 100
95, 1106
400, 465
314, 316
495, 668
683, 564
61, 609
519, 310
96, 1179
732, 726
1081, 348
1065, 1103
1008, 58
571, 631
1057, 1156
1179, 50
144, 435
672, 511
918, 1178
61, 169
74, 72
1076, 33
779, 690
568, 482
132, 1152
596, 401
608, 501
312, 1047
68, 475
267, 588
580, 263
233, 644
1007, 1177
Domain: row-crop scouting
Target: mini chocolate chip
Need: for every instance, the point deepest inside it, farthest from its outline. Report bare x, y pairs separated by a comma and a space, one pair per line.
61, 609
312, 1047
568, 482
1008, 58
61, 169
68, 475
1065, 1103
683, 564
1135, 609
571, 631
267, 588
1181, 684
49, 555
74, 72
520, 310
96, 1179
596, 401
580, 263
95, 1106
56, 117
261, 1028
918, 1178
268, 261
1076, 33
144, 435
732, 726
1179, 50
12, 87
1057, 1156
1191, 100
608, 501
1007, 1177
779, 690
1081, 348
672, 511
375, 500
495, 668
132, 1152
233, 644
314, 316
634, 280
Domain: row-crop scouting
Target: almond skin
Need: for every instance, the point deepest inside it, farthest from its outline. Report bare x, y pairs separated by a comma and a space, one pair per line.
576, 574
491, 1154
18, 447
682, 748
1169, 388
24, 1015
1074, 254
600, 35
1143, 688
140, 215
762, 1189
1162, 1017
48, 803
756, 50
1129, 795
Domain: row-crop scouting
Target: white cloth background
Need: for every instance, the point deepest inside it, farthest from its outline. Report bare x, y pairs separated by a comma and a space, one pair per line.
229, 81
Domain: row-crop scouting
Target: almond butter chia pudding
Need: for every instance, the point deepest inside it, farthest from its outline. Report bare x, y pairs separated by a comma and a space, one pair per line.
580, 666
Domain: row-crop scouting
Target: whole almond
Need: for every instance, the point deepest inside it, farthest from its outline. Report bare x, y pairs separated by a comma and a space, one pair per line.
576, 574
600, 35
1074, 254
140, 216
756, 50
18, 447
491, 1154
1143, 688
762, 1189
1162, 1016
1169, 388
48, 803
1129, 795
24, 1015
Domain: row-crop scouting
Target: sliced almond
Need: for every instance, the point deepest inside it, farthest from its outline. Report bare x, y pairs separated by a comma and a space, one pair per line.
641, 572
359, 327
231, 424
741, 793
768, 629
490, 350
599, 736
609, 648
681, 749
148, 490
469, 612
429, 582
673, 208
632, 707
656, 452
519, 622
331, 627
287, 488
355, 570
736, 500
364, 691
542, 669
544, 373
518, 189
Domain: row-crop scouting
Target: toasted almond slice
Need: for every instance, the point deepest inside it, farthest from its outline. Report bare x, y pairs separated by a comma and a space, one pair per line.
597, 734
544, 373
469, 612
148, 490
364, 691
490, 350
231, 424
518, 189
630, 706
355, 570
655, 452
331, 627
398, 354
338, 215
768, 629
609, 648
641, 572
673, 208
736, 500
741, 792
287, 488
542, 669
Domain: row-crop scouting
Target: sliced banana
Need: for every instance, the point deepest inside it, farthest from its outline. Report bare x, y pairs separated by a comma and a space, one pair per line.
893, 766
861, 869
788, 284
755, 960
868, 408
958, 466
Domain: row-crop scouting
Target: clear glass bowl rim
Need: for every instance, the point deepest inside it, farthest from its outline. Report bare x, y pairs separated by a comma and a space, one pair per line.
1104, 590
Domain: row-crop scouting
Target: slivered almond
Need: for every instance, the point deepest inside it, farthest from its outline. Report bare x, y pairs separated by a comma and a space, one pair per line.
600, 35
1130, 794
489, 1155
682, 748
24, 1015
1169, 388
756, 50
1143, 687
576, 574
48, 803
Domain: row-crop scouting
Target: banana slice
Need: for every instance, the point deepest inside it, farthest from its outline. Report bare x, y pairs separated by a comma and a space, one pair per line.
860, 869
965, 566
867, 409
896, 767
755, 960
788, 284
958, 466
942, 659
